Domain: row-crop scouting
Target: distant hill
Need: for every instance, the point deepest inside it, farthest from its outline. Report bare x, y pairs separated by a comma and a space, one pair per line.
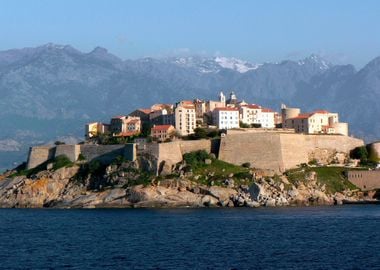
49, 92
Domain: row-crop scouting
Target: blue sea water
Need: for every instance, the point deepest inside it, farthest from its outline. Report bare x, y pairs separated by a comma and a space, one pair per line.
341, 237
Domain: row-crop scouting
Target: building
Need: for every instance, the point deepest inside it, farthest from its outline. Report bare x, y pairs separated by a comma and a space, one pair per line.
232, 101
365, 180
143, 114
185, 118
161, 115
249, 114
162, 132
256, 115
94, 129
211, 104
226, 118
125, 125
317, 122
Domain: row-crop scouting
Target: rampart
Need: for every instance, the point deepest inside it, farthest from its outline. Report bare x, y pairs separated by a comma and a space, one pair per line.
374, 150
279, 151
104, 153
172, 152
365, 180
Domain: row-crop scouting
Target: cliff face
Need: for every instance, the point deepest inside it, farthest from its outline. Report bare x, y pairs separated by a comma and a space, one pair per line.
116, 188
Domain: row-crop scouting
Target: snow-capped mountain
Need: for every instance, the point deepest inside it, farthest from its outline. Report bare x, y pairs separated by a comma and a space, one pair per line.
214, 64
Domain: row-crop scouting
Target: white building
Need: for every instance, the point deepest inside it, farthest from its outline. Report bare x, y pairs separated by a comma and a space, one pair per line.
256, 115
317, 122
185, 118
226, 118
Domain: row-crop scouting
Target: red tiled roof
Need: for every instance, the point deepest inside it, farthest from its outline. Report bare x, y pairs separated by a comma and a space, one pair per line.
187, 102
188, 106
302, 116
254, 106
320, 111
146, 111
267, 110
225, 109
133, 121
118, 117
161, 127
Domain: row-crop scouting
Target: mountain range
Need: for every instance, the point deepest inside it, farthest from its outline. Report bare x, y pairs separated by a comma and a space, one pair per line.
49, 92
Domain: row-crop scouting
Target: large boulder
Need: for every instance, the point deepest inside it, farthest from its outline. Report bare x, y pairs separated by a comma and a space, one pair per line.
221, 193
257, 191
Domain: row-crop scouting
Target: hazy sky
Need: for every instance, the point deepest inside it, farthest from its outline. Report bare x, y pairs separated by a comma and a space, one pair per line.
342, 31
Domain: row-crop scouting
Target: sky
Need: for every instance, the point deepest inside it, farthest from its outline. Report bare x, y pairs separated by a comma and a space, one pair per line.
342, 31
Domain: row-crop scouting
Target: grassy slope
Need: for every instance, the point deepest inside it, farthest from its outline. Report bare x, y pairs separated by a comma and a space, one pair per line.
333, 177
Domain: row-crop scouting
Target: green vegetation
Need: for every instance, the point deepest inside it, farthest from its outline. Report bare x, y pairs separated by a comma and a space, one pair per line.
215, 172
61, 161
333, 177
203, 133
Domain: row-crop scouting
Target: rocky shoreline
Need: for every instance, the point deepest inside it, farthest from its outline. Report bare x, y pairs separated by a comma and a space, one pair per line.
62, 189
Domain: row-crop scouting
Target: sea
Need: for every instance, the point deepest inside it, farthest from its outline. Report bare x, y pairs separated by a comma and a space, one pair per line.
331, 237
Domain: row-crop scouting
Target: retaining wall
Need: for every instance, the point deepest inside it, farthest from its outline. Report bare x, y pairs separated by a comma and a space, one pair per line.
39, 154
365, 180
104, 153
279, 151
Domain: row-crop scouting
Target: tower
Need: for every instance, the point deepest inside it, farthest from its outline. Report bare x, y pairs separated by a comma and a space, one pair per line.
222, 98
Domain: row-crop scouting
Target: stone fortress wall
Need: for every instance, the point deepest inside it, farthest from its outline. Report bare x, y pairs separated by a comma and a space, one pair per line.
374, 150
365, 180
279, 151
264, 149
104, 153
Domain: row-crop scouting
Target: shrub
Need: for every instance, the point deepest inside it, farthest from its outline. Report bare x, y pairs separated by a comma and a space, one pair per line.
61, 161
243, 125
81, 157
196, 158
246, 165
360, 153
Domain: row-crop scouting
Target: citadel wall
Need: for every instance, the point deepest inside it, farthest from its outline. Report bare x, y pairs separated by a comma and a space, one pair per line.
365, 180
104, 153
279, 151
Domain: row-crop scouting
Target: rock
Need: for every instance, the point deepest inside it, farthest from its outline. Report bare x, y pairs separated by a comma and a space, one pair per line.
293, 193
270, 202
209, 201
281, 186
229, 182
166, 167
230, 175
208, 161
244, 188
230, 204
221, 193
196, 190
256, 191
252, 204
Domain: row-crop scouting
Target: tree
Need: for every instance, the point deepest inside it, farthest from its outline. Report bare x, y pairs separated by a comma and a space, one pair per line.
360, 153
243, 125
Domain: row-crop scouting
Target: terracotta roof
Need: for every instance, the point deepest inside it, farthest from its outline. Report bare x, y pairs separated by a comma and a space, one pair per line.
188, 107
187, 102
161, 127
146, 111
253, 106
225, 109
321, 111
118, 117
302, 116
267, 110
133, 121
